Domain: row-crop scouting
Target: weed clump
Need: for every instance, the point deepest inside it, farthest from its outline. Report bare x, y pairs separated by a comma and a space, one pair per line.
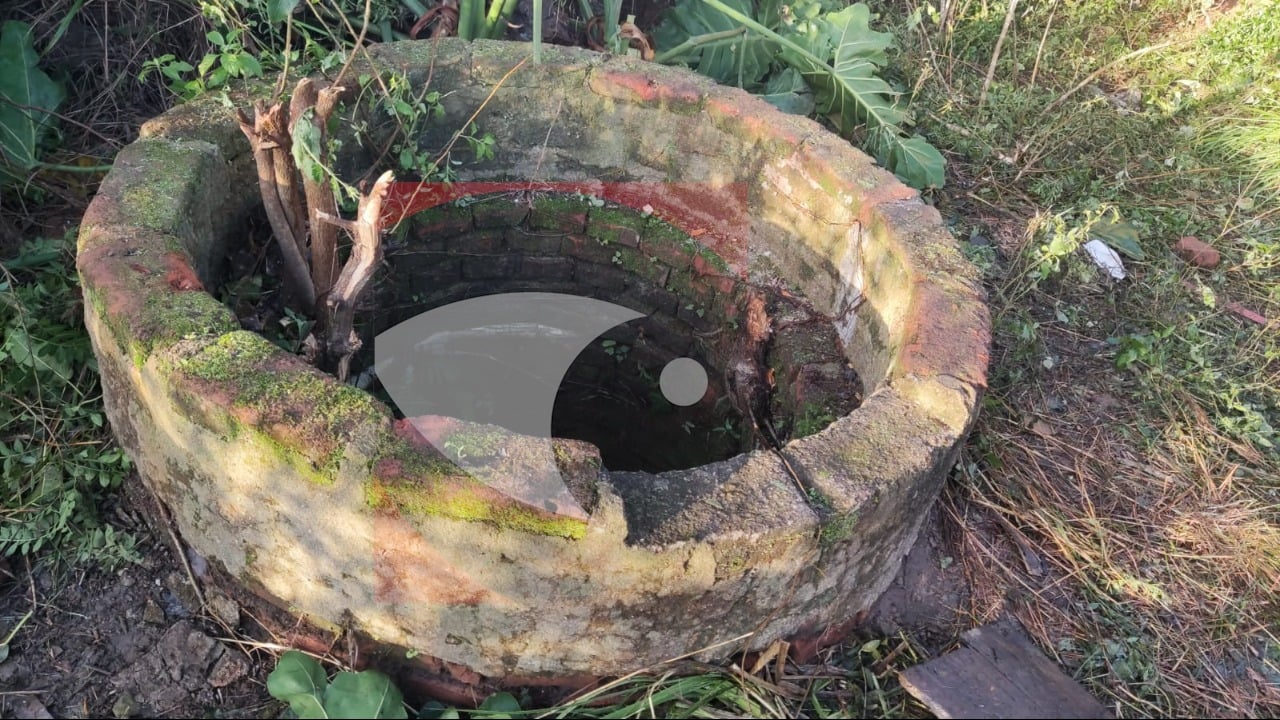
58, 460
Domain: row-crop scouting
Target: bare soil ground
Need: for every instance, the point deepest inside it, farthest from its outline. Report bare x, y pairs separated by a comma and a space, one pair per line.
131, 643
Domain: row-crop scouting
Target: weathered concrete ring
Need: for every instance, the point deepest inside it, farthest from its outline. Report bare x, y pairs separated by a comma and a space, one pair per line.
302, 490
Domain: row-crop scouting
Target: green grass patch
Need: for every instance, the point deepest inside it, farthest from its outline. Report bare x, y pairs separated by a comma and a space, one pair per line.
1130, 429
58, 462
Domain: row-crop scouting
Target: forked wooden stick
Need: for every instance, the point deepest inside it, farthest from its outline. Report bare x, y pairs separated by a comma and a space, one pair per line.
366, 252
269, 139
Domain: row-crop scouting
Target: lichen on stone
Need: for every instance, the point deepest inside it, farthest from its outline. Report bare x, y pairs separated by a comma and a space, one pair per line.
292, 408
414, 481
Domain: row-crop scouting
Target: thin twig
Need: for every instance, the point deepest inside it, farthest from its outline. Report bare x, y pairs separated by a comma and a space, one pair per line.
462, 128
995, 53
182, 554
1035, 69
364, 29
115, 144
1096, 73
284, 71
777, 450
589, 695
699, 41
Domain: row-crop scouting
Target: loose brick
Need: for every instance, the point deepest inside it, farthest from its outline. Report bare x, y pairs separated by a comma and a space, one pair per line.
601, 276
546, 268
488, 267
646, 298
1198, 253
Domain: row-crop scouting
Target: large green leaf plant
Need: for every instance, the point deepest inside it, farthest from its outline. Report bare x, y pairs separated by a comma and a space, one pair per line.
27, 99
803, 57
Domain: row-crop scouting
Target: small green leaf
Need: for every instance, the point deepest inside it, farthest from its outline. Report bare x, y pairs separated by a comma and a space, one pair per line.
279, 10
232, 64
250, 66
497, 706
788, 92
366, 694
435, 710
205, 63
306, 147
300, 681
1120, 235
175, 70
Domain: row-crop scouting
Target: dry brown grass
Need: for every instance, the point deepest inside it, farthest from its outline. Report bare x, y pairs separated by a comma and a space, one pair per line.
1127, 512
1148, 566
1135, 552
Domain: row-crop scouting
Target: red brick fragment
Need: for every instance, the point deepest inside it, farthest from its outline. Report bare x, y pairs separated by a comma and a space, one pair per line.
181, 276
1197, 253
1244, 312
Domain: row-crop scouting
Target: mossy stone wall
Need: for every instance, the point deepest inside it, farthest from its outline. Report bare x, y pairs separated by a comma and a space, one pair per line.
316, 498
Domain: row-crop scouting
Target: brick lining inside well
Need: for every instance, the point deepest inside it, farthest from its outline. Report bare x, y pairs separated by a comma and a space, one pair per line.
693, 307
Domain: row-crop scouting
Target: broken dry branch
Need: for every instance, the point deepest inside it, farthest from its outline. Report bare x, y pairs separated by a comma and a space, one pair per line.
340, 305
321, 100
280, 195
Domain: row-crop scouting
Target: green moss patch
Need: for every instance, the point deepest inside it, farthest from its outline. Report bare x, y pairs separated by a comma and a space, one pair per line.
140, 299
837, 528
612, 225
294, 408
442, 222
159, 181
812, 419
565, 213
411, 480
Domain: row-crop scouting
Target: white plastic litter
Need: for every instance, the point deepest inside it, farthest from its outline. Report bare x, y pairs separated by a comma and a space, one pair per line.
1106, 258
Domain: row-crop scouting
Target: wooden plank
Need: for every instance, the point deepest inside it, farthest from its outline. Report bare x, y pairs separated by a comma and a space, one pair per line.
998, 674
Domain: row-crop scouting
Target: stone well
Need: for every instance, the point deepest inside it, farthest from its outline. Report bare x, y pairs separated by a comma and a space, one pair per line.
693, 303
312, 495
